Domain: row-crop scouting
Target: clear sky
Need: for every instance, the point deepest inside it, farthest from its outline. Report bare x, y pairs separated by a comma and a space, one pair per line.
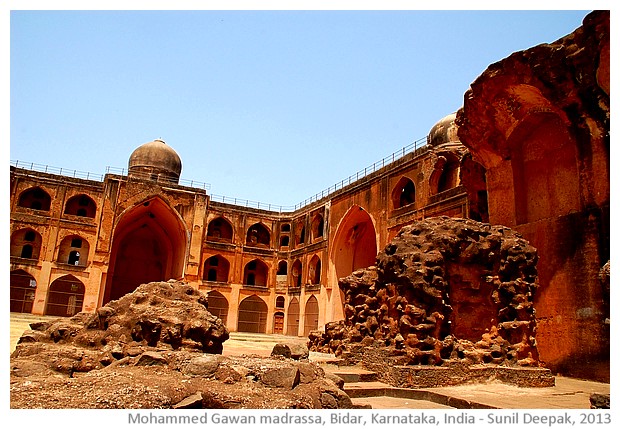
271, 106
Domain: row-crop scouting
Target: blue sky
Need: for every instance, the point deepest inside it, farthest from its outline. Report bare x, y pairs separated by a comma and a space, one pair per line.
271, 106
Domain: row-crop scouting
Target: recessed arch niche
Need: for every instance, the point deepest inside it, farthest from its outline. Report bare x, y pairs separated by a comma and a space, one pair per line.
149, 244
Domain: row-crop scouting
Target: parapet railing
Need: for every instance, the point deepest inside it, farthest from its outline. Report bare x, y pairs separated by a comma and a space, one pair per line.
410, 148
57, 170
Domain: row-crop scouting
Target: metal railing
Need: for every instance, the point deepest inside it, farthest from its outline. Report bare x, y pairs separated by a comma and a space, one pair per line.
56, 170
410, 148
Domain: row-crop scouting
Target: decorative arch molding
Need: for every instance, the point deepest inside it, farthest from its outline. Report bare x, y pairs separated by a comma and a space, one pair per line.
150, 243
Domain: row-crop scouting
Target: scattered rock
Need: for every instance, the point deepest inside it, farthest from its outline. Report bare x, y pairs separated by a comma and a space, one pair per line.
598, 400
153, 348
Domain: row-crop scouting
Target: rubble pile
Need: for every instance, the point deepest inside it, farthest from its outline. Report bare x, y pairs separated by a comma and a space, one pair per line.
157, 347
444, 292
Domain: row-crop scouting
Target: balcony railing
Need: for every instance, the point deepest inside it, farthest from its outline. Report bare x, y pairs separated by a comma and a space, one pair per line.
410, 148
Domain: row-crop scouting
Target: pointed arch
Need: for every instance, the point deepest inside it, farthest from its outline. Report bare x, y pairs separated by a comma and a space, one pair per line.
317, 226
314, 270
66, 297
218, 305
255, 273
403, 193
311, 313
73, 250
35, 198
216, 269
292, 320
23, 287
258, 235
81, 205
252, 315
220, 229
150, 243
446, 173
354, 247
296, 273
26, 243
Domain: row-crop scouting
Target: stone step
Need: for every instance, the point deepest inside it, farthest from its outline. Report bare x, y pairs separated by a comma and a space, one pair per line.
377, 389
355, 375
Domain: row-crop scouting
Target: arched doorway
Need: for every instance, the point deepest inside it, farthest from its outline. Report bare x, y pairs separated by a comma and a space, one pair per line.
23, 287
355, 247
252, 315
292, 321
149, 244
311, 315
218, 305
278, 322
66, 296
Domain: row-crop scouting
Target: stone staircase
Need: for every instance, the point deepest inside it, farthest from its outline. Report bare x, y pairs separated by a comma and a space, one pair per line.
366, 391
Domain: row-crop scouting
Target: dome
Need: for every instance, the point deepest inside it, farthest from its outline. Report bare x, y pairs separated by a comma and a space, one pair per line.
155, 160
444, 132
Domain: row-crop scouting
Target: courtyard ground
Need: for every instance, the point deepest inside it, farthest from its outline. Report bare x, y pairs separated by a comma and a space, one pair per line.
568, 393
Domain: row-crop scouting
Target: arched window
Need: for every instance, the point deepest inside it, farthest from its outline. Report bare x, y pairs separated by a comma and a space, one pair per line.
81, 205
216, 269
284, 240
280, 302
35, 198
73, 250
220, 229
296, 273
403, 193
286, 227
26, 243
314, 270
255, 273
317, 226
258, 235
282, 268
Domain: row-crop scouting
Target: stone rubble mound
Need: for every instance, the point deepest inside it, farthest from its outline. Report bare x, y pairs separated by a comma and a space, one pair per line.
157, 347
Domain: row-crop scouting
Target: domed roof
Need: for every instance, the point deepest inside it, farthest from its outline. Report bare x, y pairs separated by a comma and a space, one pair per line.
155, 156
444, 131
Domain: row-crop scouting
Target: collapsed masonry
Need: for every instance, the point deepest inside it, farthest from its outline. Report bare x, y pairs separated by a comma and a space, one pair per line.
446, 294
157, 347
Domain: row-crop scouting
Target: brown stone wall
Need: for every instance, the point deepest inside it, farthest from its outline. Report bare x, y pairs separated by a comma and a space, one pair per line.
538, 121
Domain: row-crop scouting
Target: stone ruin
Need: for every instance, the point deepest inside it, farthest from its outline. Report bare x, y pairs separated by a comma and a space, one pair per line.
449, 300
157, 347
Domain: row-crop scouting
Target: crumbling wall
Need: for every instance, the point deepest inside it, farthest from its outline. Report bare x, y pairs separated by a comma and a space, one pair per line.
444, 292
